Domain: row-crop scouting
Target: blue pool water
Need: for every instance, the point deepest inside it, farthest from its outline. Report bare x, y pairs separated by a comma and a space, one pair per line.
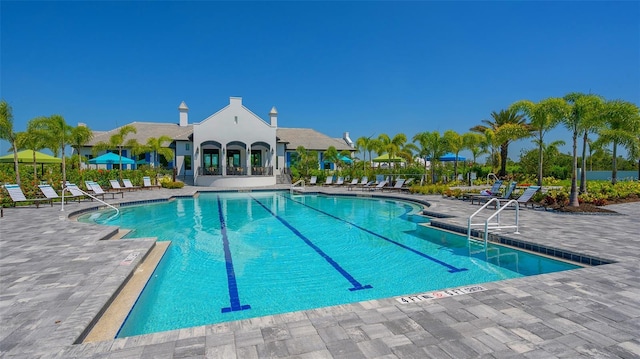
242, 255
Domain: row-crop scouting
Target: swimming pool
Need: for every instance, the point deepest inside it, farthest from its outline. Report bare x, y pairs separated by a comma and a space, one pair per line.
242, 255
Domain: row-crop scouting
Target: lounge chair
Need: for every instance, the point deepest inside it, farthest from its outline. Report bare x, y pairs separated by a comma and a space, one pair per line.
51, 193
313, 180
377, 187
339, 181
526, 196
76, 192
98, 191
354, 182
505, 196
494, 190
146, 183
127, 184
16, 194
115, 186
328, 181
396, 186
362, 182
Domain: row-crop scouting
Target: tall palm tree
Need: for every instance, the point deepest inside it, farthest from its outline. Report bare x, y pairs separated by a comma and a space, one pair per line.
455, 144
57, 135
331, 154
80, 135
32, 139
580, 108
508, 125
156, 146
117, 140
622, 127
543, 117
432, 146
7, 133
390, 146
476, 143
364, 145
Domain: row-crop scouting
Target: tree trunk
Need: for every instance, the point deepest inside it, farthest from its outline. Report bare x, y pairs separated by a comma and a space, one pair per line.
15, 162
35, 167
583, 172
573, 195
503, 159
540, 159
614, 163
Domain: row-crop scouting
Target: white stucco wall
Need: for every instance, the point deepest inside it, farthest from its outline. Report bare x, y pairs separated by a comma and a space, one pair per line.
235, 124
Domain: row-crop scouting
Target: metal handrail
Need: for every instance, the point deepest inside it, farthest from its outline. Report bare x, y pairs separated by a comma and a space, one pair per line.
495, 225
300, 181
97, 199
495, 178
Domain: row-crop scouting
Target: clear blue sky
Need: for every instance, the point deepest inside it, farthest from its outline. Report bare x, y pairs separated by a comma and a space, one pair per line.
363, 67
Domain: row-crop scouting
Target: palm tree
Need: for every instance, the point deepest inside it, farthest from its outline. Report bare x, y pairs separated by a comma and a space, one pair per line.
364, 145
407, 151
581, 106
57, 135
32, 139
455, 144
117, 141
155, 146
507, 126
6, 133
432, 146
543, 116
622, 127
331, 154
80, 135
390, 146
476, 143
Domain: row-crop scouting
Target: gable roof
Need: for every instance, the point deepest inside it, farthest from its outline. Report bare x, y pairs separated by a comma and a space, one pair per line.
309, 139
146, 130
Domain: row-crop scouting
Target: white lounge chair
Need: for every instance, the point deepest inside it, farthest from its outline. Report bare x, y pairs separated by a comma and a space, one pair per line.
396, 186
340, 181
377, 187
51, 193
17, 196
127, 184
328, 181
146, 183
76, 192
98, 191
505, 196
526, 196
313, 180
115, 186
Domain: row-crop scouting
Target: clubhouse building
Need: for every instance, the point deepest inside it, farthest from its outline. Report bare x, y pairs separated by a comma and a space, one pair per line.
233, 147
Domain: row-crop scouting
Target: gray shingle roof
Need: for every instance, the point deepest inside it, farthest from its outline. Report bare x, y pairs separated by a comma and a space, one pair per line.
294, 137
309, 139
146, 130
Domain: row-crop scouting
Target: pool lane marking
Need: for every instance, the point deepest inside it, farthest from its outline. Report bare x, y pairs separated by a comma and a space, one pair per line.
234, 298
334, 264
452, 269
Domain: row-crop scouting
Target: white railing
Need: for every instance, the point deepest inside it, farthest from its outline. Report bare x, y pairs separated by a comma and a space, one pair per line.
487, 224
299, 183
97, 199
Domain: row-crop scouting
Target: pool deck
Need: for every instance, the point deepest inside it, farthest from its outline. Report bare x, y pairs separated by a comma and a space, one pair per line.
57, 275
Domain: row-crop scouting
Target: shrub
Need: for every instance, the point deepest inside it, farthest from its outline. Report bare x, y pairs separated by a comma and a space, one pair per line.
171, 184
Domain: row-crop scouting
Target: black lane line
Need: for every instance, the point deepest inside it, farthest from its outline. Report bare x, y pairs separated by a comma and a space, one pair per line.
356, 285
452, 269
234, 298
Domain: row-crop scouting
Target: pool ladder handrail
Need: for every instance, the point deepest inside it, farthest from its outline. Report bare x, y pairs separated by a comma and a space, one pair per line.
97, 199
298, 182
494, 225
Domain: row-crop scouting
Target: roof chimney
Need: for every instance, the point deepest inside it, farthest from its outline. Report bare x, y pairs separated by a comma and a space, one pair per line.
184, 116
273, 115
347, 139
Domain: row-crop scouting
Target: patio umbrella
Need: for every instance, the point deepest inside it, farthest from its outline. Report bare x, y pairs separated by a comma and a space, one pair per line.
346, 159
450, 157
111, 158
385, 158
26, 156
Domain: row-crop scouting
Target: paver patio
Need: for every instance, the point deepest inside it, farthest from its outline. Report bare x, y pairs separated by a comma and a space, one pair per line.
57, 275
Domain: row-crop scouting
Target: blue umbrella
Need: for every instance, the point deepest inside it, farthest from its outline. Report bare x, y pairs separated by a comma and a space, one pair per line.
346, 159
450, 157
110, 158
